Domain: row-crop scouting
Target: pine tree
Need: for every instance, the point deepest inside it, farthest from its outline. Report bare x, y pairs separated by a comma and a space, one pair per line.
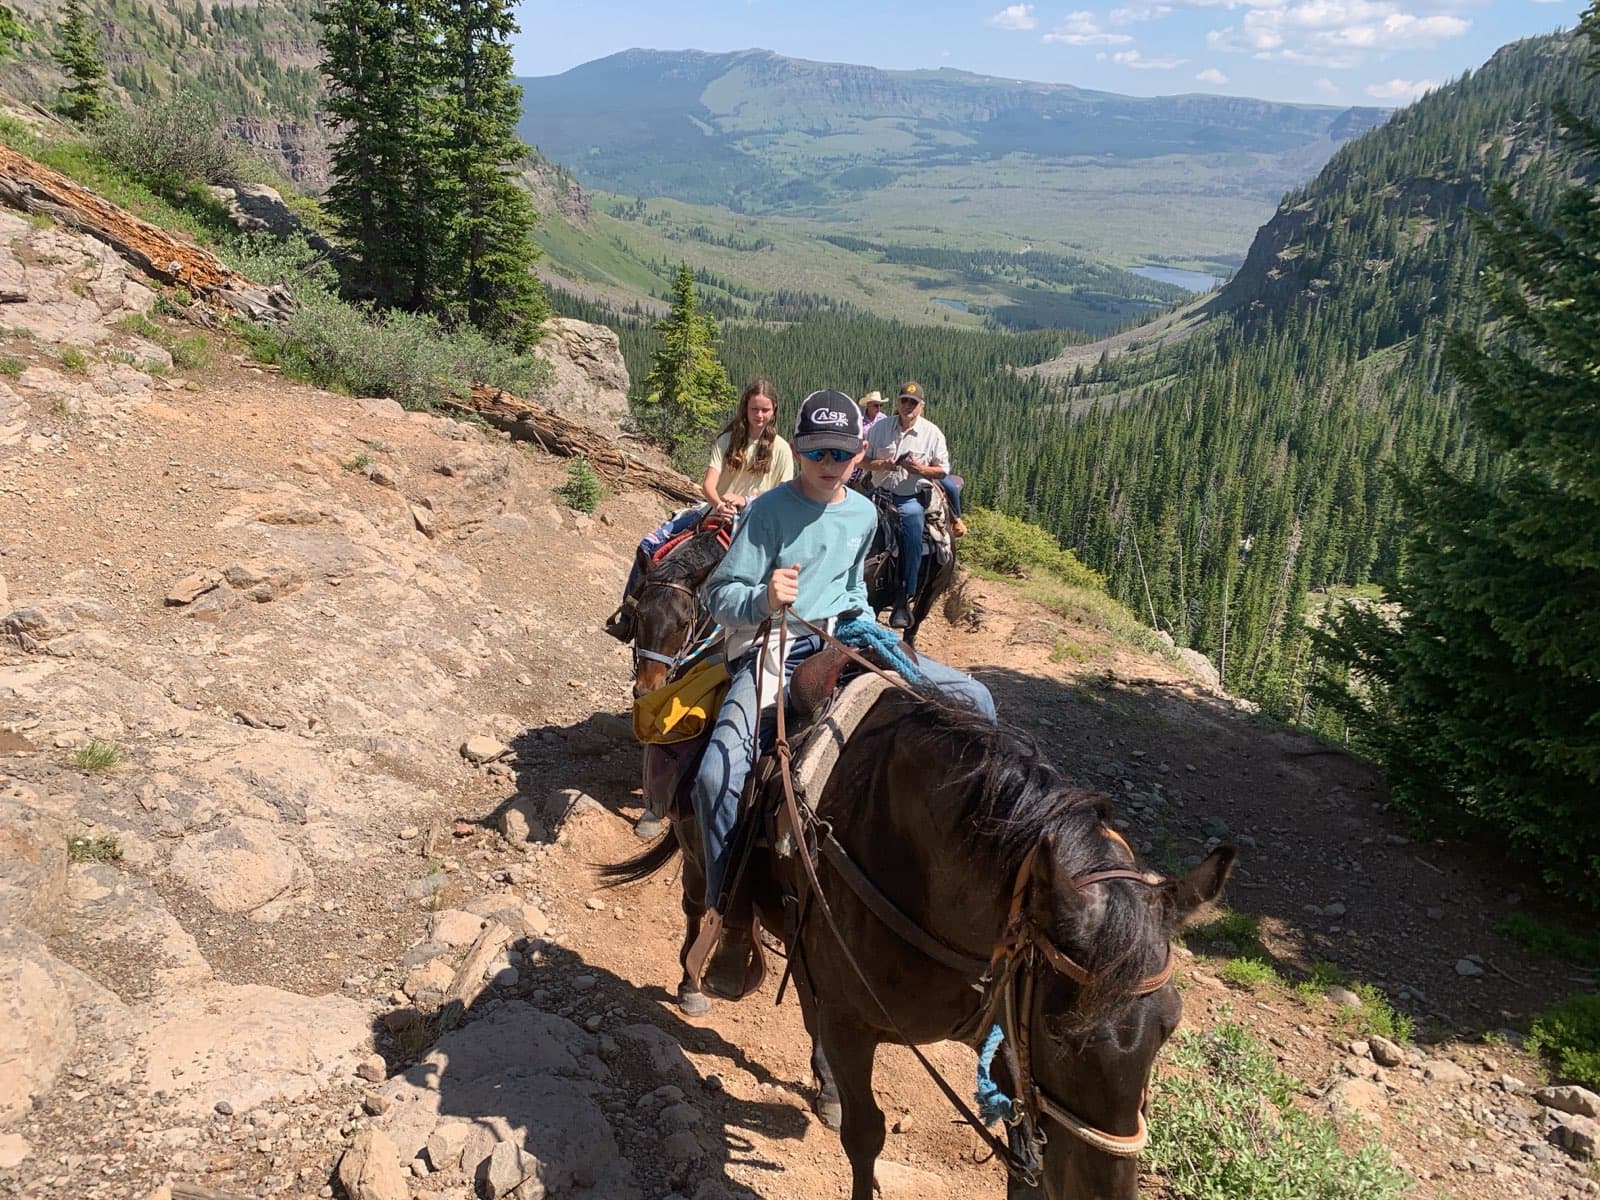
1483, 692
489, 249
83, 98
380, 58
687, 392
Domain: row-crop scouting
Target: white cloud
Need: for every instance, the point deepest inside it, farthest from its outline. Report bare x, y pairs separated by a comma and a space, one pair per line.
1212, 76
1013, 16
1082, 29
1327, 86
1339, 33
1134, 13
1400, 91
1132, 58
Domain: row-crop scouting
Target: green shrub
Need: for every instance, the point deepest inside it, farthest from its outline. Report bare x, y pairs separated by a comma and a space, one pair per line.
1249, 973
1552, 941
1012, 547
1225, 1127
1569, 1036
1376, 1016
97, 755
73, 358
1235, 933
11, 366
174, 139
581, 491
409, 356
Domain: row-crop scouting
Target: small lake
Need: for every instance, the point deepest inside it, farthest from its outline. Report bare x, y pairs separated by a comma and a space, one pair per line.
1195, 281
958, 305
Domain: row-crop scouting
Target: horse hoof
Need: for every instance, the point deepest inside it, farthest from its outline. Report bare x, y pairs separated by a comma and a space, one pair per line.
829, 1112
693, 1004
648, 827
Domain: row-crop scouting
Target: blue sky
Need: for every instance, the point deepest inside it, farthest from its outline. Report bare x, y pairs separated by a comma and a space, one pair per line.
1383, 52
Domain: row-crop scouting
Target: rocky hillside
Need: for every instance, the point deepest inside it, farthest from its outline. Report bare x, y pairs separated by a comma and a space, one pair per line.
309, 741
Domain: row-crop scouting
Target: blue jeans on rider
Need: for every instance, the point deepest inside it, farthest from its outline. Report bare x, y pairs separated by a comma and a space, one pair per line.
952, 485
912, 519
731, 754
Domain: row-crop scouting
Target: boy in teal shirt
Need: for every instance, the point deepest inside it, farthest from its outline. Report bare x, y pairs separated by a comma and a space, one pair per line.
803, 544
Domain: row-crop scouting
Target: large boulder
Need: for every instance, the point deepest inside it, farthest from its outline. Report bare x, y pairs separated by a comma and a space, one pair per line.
590, 379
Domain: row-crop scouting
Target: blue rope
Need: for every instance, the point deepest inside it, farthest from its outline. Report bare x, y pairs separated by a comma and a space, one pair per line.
866, 634
993, 1104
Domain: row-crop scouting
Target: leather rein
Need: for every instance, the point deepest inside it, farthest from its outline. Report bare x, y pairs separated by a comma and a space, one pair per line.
1014, 962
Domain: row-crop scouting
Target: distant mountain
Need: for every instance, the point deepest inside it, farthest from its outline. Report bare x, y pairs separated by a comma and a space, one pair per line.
256, 62
1221, 480
756, 130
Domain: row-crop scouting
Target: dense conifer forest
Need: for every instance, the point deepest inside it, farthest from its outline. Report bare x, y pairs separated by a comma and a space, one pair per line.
1223, 484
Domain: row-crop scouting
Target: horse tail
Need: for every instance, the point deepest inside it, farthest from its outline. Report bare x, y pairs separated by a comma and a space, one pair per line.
642, 866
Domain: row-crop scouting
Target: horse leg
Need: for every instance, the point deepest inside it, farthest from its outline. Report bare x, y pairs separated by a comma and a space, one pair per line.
850, 1049
826, 1103
691, 1000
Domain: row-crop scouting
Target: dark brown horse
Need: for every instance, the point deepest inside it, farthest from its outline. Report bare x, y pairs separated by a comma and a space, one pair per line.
993, 892
669, 615
883, 570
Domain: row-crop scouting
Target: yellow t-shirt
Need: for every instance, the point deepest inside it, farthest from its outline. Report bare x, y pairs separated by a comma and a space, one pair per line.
745, 482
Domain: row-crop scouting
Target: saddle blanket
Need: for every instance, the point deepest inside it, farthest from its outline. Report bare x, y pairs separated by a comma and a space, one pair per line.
815, 762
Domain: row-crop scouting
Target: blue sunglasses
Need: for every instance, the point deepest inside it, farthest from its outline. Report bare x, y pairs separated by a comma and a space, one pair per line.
837, 455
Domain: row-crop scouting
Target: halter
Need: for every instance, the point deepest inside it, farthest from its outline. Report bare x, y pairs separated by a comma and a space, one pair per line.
1016, 956
698, 626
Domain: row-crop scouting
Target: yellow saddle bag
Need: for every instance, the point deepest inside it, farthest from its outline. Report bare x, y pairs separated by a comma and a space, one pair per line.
683, 709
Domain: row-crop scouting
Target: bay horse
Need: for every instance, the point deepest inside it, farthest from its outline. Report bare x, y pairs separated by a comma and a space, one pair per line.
965, 884
883, 569
669, 614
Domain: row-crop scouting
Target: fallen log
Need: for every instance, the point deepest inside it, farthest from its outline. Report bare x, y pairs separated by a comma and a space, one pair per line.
34, 188
557, 433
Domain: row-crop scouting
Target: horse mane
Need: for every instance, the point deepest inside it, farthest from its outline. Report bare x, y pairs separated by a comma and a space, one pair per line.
1013, 799
692, 561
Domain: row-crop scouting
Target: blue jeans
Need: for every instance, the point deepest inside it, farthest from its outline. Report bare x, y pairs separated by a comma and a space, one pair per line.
913, 517
952, 485
732, 752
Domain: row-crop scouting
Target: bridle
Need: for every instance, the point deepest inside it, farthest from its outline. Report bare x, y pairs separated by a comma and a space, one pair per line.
1014, 962
699, 626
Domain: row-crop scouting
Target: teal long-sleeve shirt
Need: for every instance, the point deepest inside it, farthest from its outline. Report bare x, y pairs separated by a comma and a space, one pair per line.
782, 528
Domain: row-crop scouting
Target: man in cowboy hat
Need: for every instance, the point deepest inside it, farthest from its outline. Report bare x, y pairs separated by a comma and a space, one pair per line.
901, 453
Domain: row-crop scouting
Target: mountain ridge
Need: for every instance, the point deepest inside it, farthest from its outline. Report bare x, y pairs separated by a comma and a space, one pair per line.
743, 127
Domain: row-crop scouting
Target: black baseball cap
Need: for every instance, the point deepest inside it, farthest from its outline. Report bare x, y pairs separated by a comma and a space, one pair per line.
828, 420
912, 390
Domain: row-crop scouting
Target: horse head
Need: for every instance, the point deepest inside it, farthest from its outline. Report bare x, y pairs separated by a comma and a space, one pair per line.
669, 614
1086, 1036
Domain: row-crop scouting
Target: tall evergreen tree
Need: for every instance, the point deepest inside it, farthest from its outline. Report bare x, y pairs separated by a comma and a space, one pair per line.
380, 57
1484, 693
78, 54
687, 392
489, 248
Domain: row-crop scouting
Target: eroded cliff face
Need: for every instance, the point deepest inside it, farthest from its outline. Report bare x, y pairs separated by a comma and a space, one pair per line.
297, 149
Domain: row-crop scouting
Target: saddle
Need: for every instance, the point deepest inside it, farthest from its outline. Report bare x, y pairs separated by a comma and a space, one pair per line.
823, 716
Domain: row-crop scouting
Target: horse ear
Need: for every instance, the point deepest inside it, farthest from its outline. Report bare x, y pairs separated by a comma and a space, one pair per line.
1202, 885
